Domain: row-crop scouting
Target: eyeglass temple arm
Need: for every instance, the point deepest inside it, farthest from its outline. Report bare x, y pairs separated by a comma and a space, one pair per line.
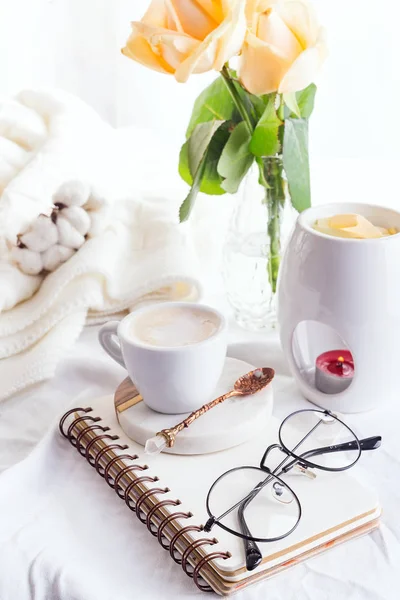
252, 551
371, 443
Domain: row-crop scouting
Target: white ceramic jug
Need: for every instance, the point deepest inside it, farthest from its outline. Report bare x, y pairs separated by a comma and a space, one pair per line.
343, 291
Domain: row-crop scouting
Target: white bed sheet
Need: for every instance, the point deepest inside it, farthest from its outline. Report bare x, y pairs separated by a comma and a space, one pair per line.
364, 569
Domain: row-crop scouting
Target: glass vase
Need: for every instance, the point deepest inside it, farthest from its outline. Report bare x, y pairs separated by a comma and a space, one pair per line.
262, 220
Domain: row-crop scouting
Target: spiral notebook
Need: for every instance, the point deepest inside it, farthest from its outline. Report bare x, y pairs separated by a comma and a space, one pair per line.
167, 494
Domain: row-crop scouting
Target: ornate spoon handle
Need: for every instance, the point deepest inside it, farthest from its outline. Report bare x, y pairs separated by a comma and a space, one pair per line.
171, 433
248, 384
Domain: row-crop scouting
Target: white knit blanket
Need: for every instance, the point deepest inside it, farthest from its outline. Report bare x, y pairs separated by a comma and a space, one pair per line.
142, 254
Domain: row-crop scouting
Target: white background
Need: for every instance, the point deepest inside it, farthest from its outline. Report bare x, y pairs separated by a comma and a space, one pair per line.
74, 44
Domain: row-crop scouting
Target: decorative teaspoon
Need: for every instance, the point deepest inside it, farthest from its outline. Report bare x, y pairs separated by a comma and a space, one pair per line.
248, 384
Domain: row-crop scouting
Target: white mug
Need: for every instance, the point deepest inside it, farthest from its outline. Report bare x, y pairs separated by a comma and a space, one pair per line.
171, 380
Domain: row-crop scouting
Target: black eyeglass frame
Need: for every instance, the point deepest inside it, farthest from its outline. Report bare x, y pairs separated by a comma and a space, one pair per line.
324, 450
243, 536
301, 460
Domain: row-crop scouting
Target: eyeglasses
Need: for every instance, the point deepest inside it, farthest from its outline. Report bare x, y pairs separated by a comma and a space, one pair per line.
255, 504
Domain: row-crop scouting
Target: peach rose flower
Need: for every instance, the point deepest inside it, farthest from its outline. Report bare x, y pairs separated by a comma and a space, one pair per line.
284, 46
182, 37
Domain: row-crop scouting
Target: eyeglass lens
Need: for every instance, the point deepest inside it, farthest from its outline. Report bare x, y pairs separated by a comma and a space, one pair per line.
271, 511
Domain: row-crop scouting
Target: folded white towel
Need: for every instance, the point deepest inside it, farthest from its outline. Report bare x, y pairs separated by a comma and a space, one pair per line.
139, 254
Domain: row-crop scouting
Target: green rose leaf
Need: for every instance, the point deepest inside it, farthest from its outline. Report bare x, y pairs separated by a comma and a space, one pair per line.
259, 103
188, 203
211, 181
236, 158
199, 141
254, 105
214, 103
300, 104
264, 141
305, 100
183, 168
290, 99
194, 160
296, 162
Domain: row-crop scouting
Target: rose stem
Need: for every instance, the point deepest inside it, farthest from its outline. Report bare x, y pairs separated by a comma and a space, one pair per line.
274, 198
243, 113
270, 170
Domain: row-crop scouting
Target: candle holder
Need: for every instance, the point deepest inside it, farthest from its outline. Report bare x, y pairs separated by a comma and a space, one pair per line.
342, 295
334, 371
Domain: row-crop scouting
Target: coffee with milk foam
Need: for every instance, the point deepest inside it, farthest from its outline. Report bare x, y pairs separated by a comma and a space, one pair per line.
171, 327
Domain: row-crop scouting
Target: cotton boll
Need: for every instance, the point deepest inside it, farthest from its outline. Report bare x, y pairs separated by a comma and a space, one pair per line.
28, 261
72, 193
41, 235
55, 256
78, 218
68, 235
95, 201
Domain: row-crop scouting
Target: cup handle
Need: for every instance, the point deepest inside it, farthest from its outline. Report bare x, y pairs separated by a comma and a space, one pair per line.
108, 339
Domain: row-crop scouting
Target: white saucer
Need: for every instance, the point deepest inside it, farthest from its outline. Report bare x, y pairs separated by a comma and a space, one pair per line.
229, 424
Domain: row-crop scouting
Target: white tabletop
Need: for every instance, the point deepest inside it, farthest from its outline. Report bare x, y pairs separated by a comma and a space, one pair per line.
338, 575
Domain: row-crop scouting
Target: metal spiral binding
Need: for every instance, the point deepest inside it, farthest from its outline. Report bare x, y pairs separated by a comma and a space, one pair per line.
130, 469
97, 439
81, 420
142, 500
204, 587
139, 504
172, 549
128, 499
164, 523
152, 511
82, 434
71, 412
96, 462
189, 550
107, 475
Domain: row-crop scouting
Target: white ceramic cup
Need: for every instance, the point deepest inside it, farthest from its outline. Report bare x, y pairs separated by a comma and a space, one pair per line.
171, 380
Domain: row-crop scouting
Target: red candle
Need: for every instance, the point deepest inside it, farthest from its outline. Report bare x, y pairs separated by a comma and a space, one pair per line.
334, 371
